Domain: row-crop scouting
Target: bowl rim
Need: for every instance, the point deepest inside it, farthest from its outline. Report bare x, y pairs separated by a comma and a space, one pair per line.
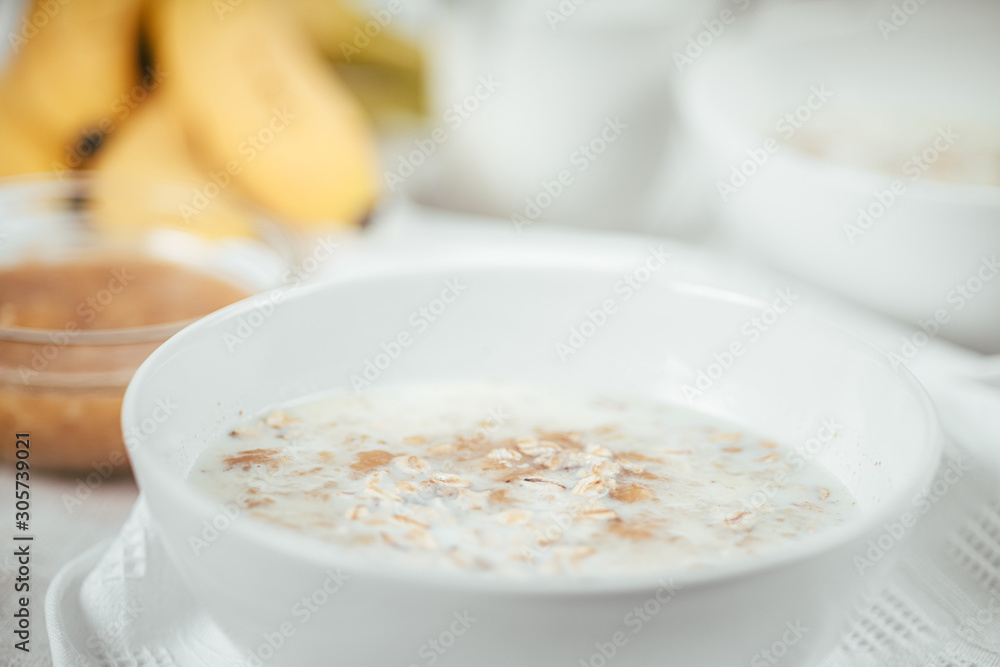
295, 546
77, 185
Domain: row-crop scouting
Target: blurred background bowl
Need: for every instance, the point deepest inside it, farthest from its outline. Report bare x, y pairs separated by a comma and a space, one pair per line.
877, 178
65, 383
558, 114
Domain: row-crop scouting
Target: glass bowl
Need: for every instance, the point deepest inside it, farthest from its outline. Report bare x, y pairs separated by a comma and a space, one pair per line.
63, 384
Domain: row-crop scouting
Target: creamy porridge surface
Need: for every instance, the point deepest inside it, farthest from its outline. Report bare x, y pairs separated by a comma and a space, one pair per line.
520, 481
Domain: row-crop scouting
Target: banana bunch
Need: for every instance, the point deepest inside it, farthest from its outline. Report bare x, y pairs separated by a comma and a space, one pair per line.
229, 94
72, 63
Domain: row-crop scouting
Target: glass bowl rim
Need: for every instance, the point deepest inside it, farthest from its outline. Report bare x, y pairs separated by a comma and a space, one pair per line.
54, 184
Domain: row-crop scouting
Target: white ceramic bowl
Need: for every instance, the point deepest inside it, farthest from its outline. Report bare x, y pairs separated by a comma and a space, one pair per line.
907, 251
504, 326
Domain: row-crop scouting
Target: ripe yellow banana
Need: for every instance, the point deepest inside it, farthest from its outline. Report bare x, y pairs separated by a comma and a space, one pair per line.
384, 69
73, 61
260, 105
146, 173
22, 152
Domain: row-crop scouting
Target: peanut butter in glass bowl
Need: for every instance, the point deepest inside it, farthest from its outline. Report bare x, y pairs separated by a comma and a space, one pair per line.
89, 288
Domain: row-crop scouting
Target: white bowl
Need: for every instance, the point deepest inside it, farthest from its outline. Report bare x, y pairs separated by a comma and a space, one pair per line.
864, 227
504, 327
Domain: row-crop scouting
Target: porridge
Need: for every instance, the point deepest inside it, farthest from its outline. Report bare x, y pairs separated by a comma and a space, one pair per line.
517, 480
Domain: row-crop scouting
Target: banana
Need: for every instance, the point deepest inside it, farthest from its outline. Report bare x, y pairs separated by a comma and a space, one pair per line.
22, 152
344, 34
384, 70
384, 92
146, 173
261, 106
73, 61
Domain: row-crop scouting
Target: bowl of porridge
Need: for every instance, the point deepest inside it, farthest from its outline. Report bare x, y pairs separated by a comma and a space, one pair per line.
569, 460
